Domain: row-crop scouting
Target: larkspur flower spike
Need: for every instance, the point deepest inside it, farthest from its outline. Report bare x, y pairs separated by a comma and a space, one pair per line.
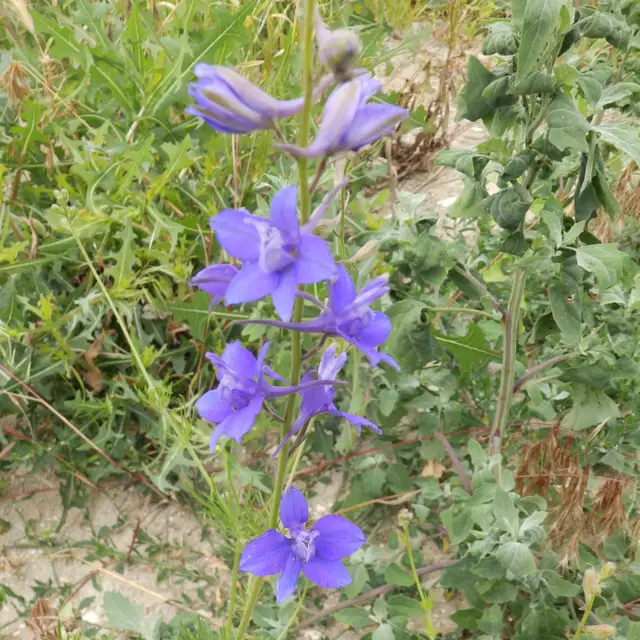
277, 254
235, 404
349, 317
348, 122
317, 553
319, 400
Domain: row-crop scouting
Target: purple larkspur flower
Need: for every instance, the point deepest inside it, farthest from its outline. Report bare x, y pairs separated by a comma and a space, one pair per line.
320, 399
277, 254
338, 49
349, 317
230, 103
348, 122
317, 553
235, 404
214, 280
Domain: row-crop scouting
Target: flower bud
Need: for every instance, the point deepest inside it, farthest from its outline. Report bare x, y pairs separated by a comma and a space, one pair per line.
338, 49
601, 630
607, 571
404, 518
590, 584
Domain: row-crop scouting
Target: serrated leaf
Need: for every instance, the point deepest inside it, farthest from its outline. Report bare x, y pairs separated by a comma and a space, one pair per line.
517, 558
567, 126
178, 158
538, 29
622, 136
590, 408
567, 310
125, 257
468, 350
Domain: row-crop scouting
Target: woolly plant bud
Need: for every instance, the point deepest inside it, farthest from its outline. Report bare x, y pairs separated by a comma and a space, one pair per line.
601, 630
590, 584
337, 50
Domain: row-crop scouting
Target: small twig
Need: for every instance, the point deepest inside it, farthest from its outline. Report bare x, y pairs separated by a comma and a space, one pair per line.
133, 541
464, 478
369, 595
318, 174
315, 349
479, 286
534, 371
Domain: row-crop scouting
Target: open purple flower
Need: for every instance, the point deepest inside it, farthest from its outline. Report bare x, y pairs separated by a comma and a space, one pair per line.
241, 392
316, 553
349, 317
229, 103
348, 122
320, 399
277, 254
214, 280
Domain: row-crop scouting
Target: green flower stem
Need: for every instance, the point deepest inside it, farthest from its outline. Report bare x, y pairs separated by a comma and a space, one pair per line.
295, 613
477, 312
425, 598
585, 617
234, 591
255, 584
510, 321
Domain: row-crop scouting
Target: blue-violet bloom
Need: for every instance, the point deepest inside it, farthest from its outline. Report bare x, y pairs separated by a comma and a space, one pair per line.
277, 254
320, 399
241, 392
348, 122
229, 103
349, 317
316, 553
215, 280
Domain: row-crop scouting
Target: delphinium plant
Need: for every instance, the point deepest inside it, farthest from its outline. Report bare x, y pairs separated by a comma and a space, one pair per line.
282, 257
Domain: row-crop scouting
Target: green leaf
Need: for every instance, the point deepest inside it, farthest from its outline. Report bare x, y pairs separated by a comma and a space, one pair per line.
567, 126
388, 400
600, 24
566, 308
466, 161
467, 618
178, 158
605, 261
125, 615
354, 617
516, 244
535, 82
561, 588
383, 632
405, 607
545, 622
491, 621
590, 408
399, 478
552, 215
517, 11
469, 202
125, 257
592, 83
458, 525
359, 579
429, 261
518, 164
538, 30
617, 93
472, 105
509, 206
396, 575
410, 342
517, 558
469, 350
605, 195
505, 512
622, 136
502, 40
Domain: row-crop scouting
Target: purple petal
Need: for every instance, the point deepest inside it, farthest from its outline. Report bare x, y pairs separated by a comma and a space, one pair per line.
239, 360
284, 213
385, 357
342, 291
259, 365
330, 365
372, 122
324, 205
302, 419
288, 578
219, 101
294, 509
214, 279
357, 421
368, 87
285, 294
338, 114
251, 283
376, 331
324, 323
218, 432
314, 262
212, 407
237, 233
268, 371
330, 574
222, 121
337, 539
373, 290
241, 421
266, 555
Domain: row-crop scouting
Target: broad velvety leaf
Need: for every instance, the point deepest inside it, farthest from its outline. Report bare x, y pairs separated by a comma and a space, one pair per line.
538, 29
590, 408
622, 136
567, 310
605, 261
410, 342
517, 558
567, 126
469, 350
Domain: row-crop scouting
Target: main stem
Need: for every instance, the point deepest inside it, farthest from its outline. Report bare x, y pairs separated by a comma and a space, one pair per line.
585, 618
511, 321
296, 341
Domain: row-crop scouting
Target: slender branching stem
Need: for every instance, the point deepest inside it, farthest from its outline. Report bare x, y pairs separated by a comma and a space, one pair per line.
585, 617
234, 590
479, 286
